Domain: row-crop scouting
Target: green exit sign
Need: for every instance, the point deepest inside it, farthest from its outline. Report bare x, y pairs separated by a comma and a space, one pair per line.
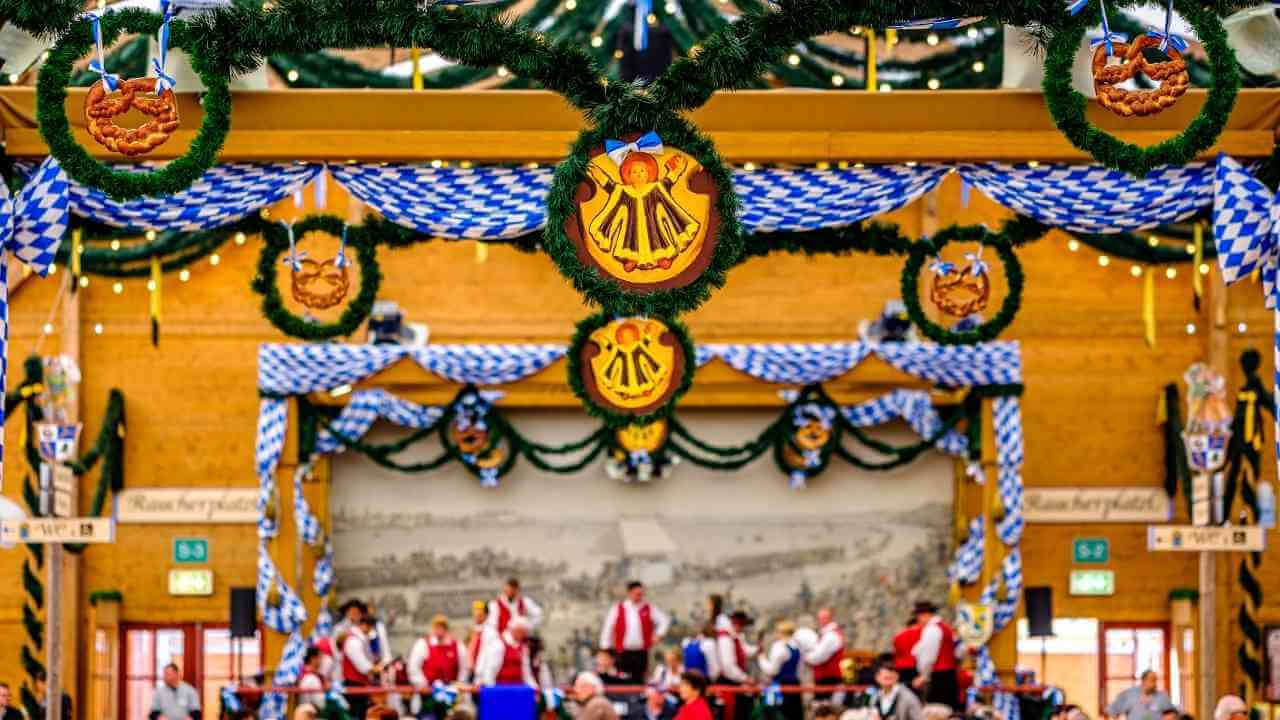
191, 550
1093, 582
1090, 550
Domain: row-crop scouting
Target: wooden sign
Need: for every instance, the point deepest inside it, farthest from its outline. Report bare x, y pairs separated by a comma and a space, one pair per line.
632, 365
1097, 505
153, 506
57, 530
646, 215
64, 487
1190, 538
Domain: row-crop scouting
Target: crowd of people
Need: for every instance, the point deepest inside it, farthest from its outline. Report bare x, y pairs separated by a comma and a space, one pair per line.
639, 671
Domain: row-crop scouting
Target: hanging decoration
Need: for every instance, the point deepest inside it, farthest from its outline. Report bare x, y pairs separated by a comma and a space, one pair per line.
638, 453
805, 451
974, 623
630, 369
961, 292
475, 439
1170, 75
317, 285
102, 107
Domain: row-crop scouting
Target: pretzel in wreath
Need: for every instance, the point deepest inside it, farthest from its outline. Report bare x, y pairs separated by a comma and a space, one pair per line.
1171, 75
960, 292
102, 107
320, 285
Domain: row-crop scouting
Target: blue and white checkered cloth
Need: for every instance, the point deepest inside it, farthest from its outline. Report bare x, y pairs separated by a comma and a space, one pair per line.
916, 408
364, 409
966, 568
797, 199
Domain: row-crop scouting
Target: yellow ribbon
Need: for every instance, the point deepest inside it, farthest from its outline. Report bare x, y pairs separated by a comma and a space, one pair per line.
415, 55
1197, 282
871, 60
27, 391
156, 279
482, 252
1149, 305
1251, 435
77, 236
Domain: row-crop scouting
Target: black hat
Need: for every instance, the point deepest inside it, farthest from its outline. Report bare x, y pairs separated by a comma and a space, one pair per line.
924, 606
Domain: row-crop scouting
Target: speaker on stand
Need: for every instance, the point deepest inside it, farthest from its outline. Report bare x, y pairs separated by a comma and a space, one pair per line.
1040, 622
244, 612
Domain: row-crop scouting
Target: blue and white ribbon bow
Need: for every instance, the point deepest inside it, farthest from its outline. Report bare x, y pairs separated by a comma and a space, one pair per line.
164, 81
773, 696
618, 151
977, 266
1167, 37
446, 695
1107, 35
230, 700
1075, 6
941, 267
1246, 229
295, 257
1109, 39
341, 260
640, 30
99, 64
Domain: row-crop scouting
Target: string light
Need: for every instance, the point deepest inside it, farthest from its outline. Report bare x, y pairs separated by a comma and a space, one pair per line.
972, 33
48, 328
503, 71
115, 245
1033, 164
465, 164
151, 235
793, 59
117, 288
979, 66
823, 166
934, 83
670, 8
1153, 241
570, 4
1191, 249
53, 269
184, 275
1242, 328
1191, 328
1171, 273
748, 166
214, 259
886, 87
437, 164
1204, 268
1073, 245
1135, 271
596, 41
1103, 260
240, 238
859, 166
651, 19
13, 78
933, 39
837, 80
97, 328
293, 76
151, 286
84, 281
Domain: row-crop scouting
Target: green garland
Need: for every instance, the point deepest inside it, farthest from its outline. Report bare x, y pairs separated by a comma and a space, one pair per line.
276, 243
988, 330
1068, 107
606, 291
77, 162
614, 418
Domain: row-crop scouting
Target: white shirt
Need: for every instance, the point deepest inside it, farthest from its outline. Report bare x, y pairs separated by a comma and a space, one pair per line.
356, 650
665, 677
928, 646
532, 612
486, 634
492, 654
830, 642
422, 650
779, 654
729, 657
884, 701
710, 651
634, 637
312, 681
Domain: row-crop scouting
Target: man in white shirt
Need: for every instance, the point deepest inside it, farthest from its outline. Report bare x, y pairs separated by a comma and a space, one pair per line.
631, 628
825, 656
512, 604
174, 699
312, 679
504, 658
935, 655
734, 653
437, 657
359, 666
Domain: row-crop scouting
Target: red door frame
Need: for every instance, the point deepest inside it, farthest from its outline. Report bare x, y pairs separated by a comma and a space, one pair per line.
192, 653
1103, 627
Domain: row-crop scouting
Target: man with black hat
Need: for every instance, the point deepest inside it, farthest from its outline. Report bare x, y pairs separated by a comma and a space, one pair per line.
734, 652
935, 657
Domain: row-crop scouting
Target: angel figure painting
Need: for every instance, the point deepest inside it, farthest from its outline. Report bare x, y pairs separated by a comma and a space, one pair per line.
645, 214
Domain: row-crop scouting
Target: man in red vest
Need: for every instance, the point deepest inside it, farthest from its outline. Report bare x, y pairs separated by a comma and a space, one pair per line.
825, 656
513, 604
437, 657
735, 653
904, 659
504, 659
631, 628
935, 658
359, 667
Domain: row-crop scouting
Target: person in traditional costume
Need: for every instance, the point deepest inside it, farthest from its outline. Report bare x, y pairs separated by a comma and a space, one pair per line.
631, 629
701, 652
505, 660
935, 655
481, 632
890, 699
781, 666
360, 668
824, 657
437, 657
735, 652
904, 644
511, 603
642, 225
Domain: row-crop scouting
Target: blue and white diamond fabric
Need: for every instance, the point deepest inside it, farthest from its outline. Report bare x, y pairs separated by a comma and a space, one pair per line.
995, 363
1246, 228
966, 568
1007, 414
477, 203
798, 199
365, 408
916, 408
31, 229
792, 363
1093, 198
224, 194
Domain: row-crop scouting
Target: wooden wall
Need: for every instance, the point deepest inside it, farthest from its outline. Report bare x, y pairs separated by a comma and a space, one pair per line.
1089, 410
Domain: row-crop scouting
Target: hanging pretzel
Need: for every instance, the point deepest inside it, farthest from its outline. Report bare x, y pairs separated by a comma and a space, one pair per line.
1171, 75
102, 107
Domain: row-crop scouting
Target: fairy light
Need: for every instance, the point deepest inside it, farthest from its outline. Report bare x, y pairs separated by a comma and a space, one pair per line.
1033, 164
748, 166
48, 328
837, 80
1191, 249
823, 165
1153, 241
13, 78
437, 164
886, 87
84, 281
214, 259
1191, 328
669, 8
503, 71
184, 275
465, 164
53, 269
117, 288
1103, 260
1073, 245
1242, 328
571, 5
596, 41
240, 238
1171, 273
151, 286
115, 245
293, 76
933, 39
651, 19
151, 235
859, 166
979, 66
934, 83
793, 59
97, 328
1135, 271
972, 33
1204, 268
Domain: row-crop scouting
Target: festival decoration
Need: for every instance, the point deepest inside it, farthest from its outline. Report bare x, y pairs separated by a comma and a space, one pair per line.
1067, 106
630, 369
1208, 428
1171, 77
638, 453
974, 623
962, 292
103, 106
317, 288
470, 435
805, 451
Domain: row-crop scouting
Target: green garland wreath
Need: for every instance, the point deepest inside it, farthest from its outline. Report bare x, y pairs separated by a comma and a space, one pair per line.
985, 332
1069, 107
614, 418
606, 291
51, 93
276, 243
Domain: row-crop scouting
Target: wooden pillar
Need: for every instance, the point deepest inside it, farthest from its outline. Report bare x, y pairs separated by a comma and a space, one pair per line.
103, 676
1004, 644
1216, 344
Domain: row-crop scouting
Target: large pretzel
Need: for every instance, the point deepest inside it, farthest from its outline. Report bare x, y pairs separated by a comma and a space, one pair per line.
101, 108
320, 285
1171, 75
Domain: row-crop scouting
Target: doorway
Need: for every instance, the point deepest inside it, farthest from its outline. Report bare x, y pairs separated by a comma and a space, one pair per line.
205, 656
1130, 649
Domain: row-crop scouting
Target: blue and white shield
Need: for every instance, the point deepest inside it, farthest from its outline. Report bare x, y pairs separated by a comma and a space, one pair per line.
58, 442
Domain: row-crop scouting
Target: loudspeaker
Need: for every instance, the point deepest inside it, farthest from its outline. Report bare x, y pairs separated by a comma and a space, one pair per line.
1039, 611
244, 612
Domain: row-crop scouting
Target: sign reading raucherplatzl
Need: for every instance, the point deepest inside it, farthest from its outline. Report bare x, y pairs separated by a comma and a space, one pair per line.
1097, 505
188, 505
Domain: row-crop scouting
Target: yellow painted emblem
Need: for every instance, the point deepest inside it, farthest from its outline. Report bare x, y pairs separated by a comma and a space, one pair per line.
634, 363
648, 437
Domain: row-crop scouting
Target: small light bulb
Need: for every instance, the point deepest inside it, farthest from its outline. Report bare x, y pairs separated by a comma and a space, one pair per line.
1191, 249
48, 328
596, 41
837, 80
1153, 241
651, 19
793, 59
53, 269
84, 281
151, 286
859, 166
1191, 328
669, 8
979, 66
934, 83
117, 288
293, 76
933, 39
617, 54
214, 259
912, 163
1135, 271
13, 78
1171, 273
972, 33
240, 238
1103, 260
1033, 164
748, 166
437, 164
465, 164
823, 165
1242, 328
1073, 245
885, 87
503, 72
570, 4
115, 244
97, 328
151, 234
184, 275
1204, 268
